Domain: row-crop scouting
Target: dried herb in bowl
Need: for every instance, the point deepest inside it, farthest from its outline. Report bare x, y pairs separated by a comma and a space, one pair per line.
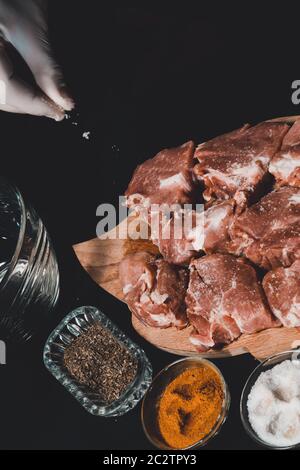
99, 361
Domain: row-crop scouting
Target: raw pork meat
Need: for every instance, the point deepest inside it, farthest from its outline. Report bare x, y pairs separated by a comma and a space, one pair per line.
280, 248
285, 166
217, 222
235, 165
166, 178
268, 233
282, 287
154, 290
174, 235
224, 299
204, 232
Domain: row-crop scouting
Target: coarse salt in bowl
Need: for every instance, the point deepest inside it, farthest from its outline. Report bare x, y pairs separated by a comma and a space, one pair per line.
270, 402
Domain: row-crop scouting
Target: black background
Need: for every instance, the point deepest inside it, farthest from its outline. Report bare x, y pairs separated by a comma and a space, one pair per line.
143, 79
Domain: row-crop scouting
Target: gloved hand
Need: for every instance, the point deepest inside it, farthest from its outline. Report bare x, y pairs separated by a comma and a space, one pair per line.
23, 24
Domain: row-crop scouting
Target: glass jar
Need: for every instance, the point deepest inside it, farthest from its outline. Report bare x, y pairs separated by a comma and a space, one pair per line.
29, 277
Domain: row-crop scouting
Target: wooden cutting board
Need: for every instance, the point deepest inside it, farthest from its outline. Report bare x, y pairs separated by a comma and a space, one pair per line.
100, 257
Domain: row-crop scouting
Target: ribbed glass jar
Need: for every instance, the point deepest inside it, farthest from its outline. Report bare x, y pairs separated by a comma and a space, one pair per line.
29, 277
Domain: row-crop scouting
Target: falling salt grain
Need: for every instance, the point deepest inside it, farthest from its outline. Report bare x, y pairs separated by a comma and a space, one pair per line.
86, 135
274, 405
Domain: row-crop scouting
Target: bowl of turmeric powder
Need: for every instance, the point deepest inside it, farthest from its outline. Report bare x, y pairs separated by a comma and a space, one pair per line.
186, 405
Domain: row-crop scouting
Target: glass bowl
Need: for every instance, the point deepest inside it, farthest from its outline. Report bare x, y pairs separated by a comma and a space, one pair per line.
263, 367
29, 277
72, 326
151, 402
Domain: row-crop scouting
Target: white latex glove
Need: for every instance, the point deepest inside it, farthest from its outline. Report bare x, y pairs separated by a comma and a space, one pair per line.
23, 23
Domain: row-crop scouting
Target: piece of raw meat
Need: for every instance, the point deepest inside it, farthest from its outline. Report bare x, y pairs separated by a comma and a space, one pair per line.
280, 248
189, 234
235, 165
165, 179
282, 288
285, 165
154, 290
224, 299
174, 235
217, 222
268, 233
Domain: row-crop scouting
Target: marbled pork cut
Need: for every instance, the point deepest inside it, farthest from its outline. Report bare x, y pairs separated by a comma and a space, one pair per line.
280, 248
268, 232
174, 235
282, 288
285, 165
224, 299
211, 231
198, 233
235, 165
165, 179
217, 222
154, 290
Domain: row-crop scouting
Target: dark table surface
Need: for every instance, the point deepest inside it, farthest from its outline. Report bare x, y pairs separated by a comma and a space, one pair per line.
143, 79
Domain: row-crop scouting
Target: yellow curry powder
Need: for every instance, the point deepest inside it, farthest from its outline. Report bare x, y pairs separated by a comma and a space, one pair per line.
190, 406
